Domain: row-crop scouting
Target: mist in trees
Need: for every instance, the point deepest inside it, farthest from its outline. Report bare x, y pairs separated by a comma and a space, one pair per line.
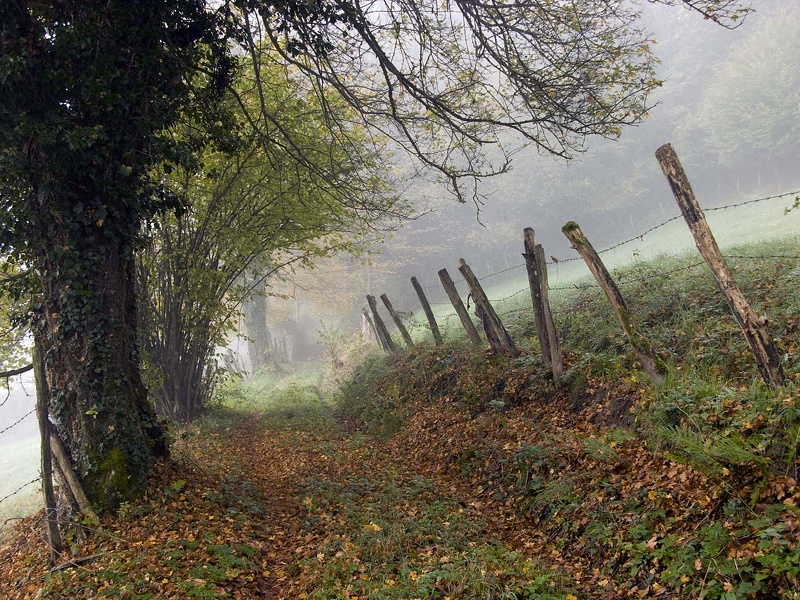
280, 190
728, 101
145, 169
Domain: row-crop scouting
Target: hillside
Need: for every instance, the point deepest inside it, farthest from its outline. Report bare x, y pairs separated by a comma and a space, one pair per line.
452, 473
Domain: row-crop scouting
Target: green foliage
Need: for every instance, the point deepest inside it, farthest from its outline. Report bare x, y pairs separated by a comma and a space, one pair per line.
717, 517
753, 94
80, 130
255, 208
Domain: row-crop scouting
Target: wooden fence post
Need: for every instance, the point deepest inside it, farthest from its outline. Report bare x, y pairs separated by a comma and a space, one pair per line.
437, 337
397, 321
651, 364
70, 477
372, 333
42, 402
545, 328
492, 325
458, 305
383, 333
754, 327
552, 334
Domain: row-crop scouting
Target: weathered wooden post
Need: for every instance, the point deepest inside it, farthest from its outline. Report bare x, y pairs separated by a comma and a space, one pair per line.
536, 265
552, 334
370, 333
397, 321
492, 325
437, 337
754, 327
73, 484
458, 305
651, 364
42, 401
380, 326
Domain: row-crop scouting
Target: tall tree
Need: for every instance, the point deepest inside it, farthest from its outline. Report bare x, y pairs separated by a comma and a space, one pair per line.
750, 109
87, 90
300, 192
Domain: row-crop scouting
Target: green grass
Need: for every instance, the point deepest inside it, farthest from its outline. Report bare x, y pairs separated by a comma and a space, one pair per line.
713, 413
737, 230
20, 465
281, 397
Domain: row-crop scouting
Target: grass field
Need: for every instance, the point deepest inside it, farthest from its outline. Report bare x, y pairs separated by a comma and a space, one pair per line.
732, 228
19, 464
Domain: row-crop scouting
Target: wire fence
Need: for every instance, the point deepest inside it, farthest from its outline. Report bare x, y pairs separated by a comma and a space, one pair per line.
10, 428
581, 284
20, 488
435, 291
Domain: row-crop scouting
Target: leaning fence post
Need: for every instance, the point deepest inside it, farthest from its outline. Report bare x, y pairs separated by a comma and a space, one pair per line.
555, 345
397, 321
458, 305
545, 328
380, 326
492, 325
754, 327
651, 364
437, 337
371, 332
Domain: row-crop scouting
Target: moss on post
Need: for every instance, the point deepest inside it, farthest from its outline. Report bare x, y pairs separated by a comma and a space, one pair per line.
651, 364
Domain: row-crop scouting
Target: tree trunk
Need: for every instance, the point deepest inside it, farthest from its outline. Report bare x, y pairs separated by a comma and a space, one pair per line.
88, 334
255, 320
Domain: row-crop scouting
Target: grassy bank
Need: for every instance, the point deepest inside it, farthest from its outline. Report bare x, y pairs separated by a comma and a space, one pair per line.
688, 489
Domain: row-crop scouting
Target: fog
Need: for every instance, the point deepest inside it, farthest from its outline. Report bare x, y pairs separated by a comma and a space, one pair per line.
19, 442
729, 104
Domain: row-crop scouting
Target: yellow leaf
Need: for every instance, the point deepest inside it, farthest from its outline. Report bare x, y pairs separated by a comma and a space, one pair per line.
372, 527
571, 597
651, 494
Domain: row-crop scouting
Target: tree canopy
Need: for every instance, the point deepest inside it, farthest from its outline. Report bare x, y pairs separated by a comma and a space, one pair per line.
286, 191
92, 94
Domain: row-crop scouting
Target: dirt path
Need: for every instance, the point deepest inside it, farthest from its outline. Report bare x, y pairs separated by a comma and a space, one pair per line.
325, 492
286, 505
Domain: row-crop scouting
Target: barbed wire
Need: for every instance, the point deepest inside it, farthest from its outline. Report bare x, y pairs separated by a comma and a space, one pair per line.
514, 268
614, 247
21, 419
676, 217
525, 289
783, 195
776, 256
576, 286
7, 386
19, 489
637, 237
661, 273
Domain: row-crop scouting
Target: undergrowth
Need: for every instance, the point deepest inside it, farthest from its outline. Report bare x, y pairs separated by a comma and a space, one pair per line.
397, 538
698, 494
